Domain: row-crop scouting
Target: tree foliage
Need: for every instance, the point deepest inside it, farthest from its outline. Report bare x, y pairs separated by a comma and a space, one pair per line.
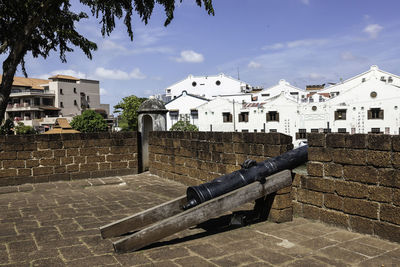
21, 128
183, 125
128, 108
41, 26
7, 127
89, 122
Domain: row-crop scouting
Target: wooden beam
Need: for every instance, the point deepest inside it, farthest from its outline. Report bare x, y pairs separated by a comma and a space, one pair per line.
203, 212
144, 218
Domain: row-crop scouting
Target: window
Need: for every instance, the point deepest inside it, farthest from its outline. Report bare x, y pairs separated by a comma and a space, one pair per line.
194, 113
218, 82
254, 98
342, 130
75, 103
227, 117
47, 101
37, 101
174, 114
194, 84
244, 117
390, 79
168, 91
255, 130
376, 130
272, 116
273, 131
61, 104
61, 91
75, 90
245, 131
327, 130
314, 130
302, 134
264, 94
375, 114
294, 93
340, 114
87, 99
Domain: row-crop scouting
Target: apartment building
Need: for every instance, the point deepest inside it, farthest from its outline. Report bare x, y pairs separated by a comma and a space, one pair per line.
38, 102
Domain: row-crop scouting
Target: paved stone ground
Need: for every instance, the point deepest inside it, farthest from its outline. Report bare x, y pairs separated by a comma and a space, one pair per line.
56, 224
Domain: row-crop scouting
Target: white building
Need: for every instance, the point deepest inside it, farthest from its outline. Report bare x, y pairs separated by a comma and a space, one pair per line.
38, 102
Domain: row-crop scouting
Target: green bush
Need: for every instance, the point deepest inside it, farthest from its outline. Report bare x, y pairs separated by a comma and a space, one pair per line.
89, 122
185, 126
21, 128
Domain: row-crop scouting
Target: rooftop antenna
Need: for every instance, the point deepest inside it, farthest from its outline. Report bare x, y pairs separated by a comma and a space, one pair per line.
238, 73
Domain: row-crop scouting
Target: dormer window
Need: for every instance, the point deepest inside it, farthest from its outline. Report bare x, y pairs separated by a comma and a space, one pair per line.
340, 114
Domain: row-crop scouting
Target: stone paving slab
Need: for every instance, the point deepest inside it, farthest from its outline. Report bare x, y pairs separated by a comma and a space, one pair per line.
57, 224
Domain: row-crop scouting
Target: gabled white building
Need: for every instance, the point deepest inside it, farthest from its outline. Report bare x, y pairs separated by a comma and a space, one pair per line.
282, 86
207, 86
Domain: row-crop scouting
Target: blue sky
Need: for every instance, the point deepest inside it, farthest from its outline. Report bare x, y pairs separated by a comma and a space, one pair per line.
302, 41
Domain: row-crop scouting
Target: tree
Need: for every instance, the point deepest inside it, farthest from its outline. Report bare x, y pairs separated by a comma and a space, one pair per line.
89, 122
129, 107
7, 127
21, 128
40, 26
185, 126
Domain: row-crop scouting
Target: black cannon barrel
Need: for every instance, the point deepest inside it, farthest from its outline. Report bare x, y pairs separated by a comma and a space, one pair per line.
229, 182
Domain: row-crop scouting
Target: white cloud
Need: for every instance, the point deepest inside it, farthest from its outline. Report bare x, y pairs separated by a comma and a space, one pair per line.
110, 45
115, 74
103, 91
297, 43
148, 36
373, 30
306, 2
137, 74
190, 56
76, 74
274, 46
254, 65
315, 76
347, 56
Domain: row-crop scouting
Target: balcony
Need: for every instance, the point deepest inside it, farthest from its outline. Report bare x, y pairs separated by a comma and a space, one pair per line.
32, 93
22, 107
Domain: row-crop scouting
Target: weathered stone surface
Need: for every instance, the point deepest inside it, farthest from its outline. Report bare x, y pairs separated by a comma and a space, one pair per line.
361, 207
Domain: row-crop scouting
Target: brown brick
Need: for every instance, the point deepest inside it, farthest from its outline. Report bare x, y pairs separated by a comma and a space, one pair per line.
228, 147
356, 141
297, 180
285, 190
350, 189
229, 158
103, 150
282, 201
350, 156
272, 150
8, 173
31, 163
311, 212
332, 201
380, 193
334, 218
42, 154
389, 177
104, 166
361, 225
315, 169
42, 145
320, 154
379, 142
7, 164
241, 148
55, 145
396, 143
24, 172
67, 160
390, 213
72, 143
387, 231
60, 169
50, 162
396, 197
73, 168
310, 197
72, 152
88, 167
8, 155
379, 158
79, 159
119, 165
395, 159
333, 169
92, 159
280, 216
316, 139
320, 184
42, 171
132, 164
24, 155
361, 207
363, 174
59, 153
335, 140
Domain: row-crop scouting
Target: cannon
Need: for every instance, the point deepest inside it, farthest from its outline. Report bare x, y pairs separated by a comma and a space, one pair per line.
250, 172
206, 201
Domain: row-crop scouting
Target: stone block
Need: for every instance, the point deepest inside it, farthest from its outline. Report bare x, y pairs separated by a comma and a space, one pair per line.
396, 142
104, 166
8, 155
272, 150
379, 158
24, 155
356, 141
395, 160
60, 169
333, 170
396, 197
59, 153
350, 156
66, 160
387, 231
332, 201
316, 139
335, 140
311, 212
50, 162
390, 213
92, 159
119, 165
73, 168
79, 160
8, 164
280, 216
320, 154
363, 174
282, 201
72, 152
379, 142
310, 197
72, 143
334, 218
229, 159
8, 173
350, 189
24, 172
42, 171
42, 154
31, 163
361, 207
380, 194
56, 144
319, 184
361, 225
389, 177
315, 169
